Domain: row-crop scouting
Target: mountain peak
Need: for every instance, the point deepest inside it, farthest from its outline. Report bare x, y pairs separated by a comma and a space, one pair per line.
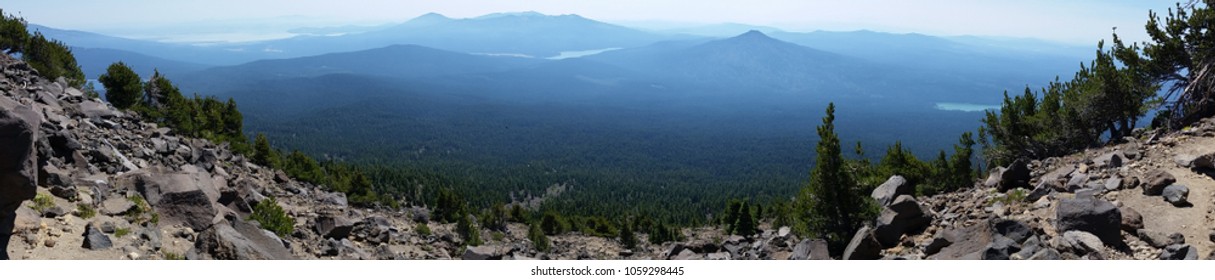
753, 36
528, 14
429, 18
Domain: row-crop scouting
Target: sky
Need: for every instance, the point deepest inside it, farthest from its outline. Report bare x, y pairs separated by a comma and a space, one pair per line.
1078, 22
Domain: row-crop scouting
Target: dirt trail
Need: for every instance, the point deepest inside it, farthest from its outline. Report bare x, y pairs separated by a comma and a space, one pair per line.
1194, 222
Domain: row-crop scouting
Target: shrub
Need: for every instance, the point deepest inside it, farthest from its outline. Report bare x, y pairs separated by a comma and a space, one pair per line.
85, 211
123, 87
272, 217
422, 229
539, 239
468, 230
42, 202
120, 232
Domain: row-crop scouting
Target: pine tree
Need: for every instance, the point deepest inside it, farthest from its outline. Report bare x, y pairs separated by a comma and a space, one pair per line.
263, 154
123, 88
468, 231
52, 59
745, 225
13, 33
628, 239
536, 235
831, 206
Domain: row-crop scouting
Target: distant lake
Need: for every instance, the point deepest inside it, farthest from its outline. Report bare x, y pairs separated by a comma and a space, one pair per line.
573, 54
965, 107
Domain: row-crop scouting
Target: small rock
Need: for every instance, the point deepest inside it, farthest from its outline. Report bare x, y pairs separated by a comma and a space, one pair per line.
1159, 239
1177, 195
1131, 220
1081, 242
1156, 182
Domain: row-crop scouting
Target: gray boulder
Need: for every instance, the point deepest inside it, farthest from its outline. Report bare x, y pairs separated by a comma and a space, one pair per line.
810, 249
238, 240
1013, 229
1179, 252
18, 167
1203, 161
1113, 159
1159, 239
1017, 175
1081, 242
1092, 215
483, 253
1000, 249
375, 230
94, 239
1177, 195
939, 241
864, 246
891, 189
187, 197
1157, 180
902, 216
331, 225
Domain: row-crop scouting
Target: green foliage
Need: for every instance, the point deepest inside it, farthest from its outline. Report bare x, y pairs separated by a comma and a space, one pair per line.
1102, 102
272, 217
537, 236
142, 212
85, 211
832, 206
494, 218
42, 202
1180, 54
553, 224
593, 225
661, 233
518, 214
422, 229
740, 218
449, 206
13, 33
745, 225
628, 238
468, 230
123, 88
120, 232
779, 212
263, 154
172, 256
52, 59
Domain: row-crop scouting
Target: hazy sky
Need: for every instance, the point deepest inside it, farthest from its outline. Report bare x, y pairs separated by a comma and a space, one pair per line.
1077, 21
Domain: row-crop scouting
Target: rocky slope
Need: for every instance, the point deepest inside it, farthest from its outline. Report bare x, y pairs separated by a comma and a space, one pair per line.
81, 180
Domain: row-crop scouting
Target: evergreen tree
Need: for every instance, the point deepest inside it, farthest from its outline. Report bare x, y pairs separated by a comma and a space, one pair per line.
745, 225
13, 33
263, 154
52, 59
536, 235
552, 224
468, 230
831, 206
123, 88
628, 239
